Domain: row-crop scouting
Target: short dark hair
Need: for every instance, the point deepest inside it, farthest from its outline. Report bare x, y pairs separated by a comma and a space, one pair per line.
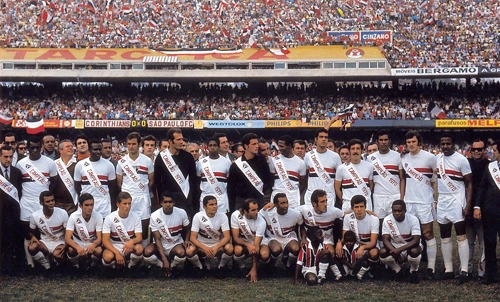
357, 199
355, 141
399, 202
277, 196
170, 194
83, 197
44, 194
248, 137
480, 140
350, 236
81, 136
6, 148
311, 231
234, 148
447, 135
496, 143
214, 139
171, 131
122, 196
34, 140
9, 134
246, 204
344, 147
411, 134
382, 132
135, 135
316, 194
207, 198
287, 139
148, 138
320, 130
94, 141
300, 142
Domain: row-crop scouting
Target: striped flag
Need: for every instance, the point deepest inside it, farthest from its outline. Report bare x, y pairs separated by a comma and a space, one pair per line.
35, 127
6, 120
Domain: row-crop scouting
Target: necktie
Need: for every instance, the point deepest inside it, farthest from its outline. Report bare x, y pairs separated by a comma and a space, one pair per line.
6, 174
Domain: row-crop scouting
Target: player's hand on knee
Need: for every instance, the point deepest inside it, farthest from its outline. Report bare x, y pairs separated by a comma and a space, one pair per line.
120, 260
81, 251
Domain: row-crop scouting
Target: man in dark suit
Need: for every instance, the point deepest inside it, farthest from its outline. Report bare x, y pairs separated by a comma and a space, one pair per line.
10, 139
487, 209
11, 236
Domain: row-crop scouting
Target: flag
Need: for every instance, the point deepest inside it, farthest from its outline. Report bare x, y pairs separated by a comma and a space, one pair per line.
276, 52
222, 6
363, 2
424, 4
207, 31
437, 112
91, 6
340, 11
6, 120
225, 32
152, 23
252, 42
126, 10
35, 127
45, 17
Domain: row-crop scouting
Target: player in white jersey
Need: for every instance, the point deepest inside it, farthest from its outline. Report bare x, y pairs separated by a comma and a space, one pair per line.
289, 172
282, 223
170, 229
401, 235
419, 169
365, 227
84, 232
97, 177
50, 222
248, 229
135, 175
321, 165
122, 235
213, 171
454, 176
354, 178
210, 234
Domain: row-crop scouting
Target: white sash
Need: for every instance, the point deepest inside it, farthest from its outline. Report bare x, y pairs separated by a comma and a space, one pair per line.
162, 227
66, 178
275, 223
395, 233
310, 217
244, 228
9, 188
81, 228
176, 173
209, 228
44, 227
357, 180
353, 225
495, 173
132, 174
279, 166
92, 177
35, 174
452, 186
382, 171
417, 176
216, 186
120, 229
250, 174
318, 167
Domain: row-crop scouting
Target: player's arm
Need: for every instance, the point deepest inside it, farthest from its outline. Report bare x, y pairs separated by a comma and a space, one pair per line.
468, 193
186, 235
151, 179
302, 183
402, 184
369, 245
331, 122
339, 249
386, 238
96, 243
194, 240
32, 236
68, 238
338, 188
303, 235
159, 247
225, 240
237, 240
78, 187
119, 181
106, 242
113, 192
252, 274
371, 185
53, 183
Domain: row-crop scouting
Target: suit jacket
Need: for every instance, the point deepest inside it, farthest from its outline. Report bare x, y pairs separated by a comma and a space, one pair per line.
11, 210
16, 178
488, 195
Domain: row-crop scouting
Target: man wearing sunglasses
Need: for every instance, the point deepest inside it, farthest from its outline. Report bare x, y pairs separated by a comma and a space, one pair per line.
10, 139
478, 163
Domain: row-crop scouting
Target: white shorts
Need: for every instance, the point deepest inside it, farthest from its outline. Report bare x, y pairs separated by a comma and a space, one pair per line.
282, 241
346, 205
449, 210
51, 245
382, 204
141, 205
83, 244
307, 270
425, 212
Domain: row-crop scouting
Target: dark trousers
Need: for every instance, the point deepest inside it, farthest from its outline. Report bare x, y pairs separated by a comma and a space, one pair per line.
491, 225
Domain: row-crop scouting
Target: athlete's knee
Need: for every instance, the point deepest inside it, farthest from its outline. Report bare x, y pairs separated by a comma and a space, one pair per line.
373, 254
228, 249
383, 252
238, 250
414, 252
149, 250
461, 238
138, 249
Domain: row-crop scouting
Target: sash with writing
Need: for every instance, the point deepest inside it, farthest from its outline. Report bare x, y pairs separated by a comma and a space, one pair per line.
417, 176
35, 174
132, 174
244, 228
310, 218
353, 225
81, 228
66, 178
162, 227
318, 167
495, 174
382, 171
250, 174
452, 186
357, 180
279, 166
175, 171
395, 233
216, 186
209, 228
275, 223
9, 188
92, 177
44, 227
120, 229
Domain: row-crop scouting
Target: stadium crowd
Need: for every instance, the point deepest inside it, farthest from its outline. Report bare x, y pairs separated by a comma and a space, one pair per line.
220, 101
427, 33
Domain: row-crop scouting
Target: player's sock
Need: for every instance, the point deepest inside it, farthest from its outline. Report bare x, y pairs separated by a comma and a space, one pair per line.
273, 259
29, 258
414, 263
74, 260
292, 259
95, 260
265, 262
208, 263
362, 272
195, 260
178, 261
240, 261
447, 250
463, 254
322, 269
153, 260
391, 263
134, 260
335, 269
109, 265
431, 253
40, 258
224, 260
